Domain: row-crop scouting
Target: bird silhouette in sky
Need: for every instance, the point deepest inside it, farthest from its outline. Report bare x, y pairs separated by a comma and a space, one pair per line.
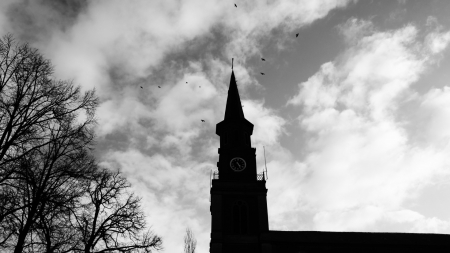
186, 82
141, 87
296, 35
199, 86
235, 5
262, 73
159, 86
203, 120
262, 59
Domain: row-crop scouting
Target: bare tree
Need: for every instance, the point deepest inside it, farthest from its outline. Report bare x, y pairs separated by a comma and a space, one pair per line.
53, 198
49, 179
190, 243
43, 145
111, 220
30, 100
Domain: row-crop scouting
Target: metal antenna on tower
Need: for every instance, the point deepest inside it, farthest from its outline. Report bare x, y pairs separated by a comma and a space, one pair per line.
265, 164
232, 59
210, 183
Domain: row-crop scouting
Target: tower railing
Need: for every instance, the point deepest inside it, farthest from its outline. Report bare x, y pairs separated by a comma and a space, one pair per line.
215, 175
259, 177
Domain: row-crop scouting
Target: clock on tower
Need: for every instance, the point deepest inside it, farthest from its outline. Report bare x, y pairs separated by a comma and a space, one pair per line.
237, 164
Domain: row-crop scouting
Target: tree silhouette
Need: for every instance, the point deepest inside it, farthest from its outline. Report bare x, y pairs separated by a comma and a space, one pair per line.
190, 243
111, 219
31, 101
53, 196
43, 144
48, 184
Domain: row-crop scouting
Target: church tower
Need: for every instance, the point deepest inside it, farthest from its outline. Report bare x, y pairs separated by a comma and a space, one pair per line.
238, 192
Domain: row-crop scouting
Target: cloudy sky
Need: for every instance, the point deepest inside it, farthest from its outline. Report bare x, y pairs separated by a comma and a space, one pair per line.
354, 112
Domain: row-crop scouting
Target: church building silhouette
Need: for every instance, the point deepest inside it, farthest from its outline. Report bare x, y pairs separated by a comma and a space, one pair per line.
239, 217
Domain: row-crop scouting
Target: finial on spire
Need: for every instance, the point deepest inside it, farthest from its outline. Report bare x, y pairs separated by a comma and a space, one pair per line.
232, 59
234, 106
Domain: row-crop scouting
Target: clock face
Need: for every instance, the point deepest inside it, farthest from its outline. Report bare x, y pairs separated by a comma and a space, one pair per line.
237, 164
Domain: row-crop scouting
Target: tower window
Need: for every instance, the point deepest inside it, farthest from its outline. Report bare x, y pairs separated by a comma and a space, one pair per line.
236, 220
240, 218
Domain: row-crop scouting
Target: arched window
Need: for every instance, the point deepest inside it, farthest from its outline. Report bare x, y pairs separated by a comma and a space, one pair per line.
243, 219
236, 219
240, 218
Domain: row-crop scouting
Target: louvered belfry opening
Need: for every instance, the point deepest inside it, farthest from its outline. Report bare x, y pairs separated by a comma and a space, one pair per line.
240, 218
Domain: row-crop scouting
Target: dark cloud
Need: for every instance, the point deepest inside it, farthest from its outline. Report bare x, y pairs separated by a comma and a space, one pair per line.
68, 8
36, 20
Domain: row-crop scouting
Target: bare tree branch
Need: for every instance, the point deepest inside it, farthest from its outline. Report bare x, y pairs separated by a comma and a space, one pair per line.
31, 101
112, 219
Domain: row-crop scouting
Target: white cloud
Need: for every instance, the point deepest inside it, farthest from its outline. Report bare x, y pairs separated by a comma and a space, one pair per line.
431, 225
268, 126
436, 106
137, 36
314, 93
110, 114
186, 104
355, 29
437, 41
362, 163
366, 217
347, 220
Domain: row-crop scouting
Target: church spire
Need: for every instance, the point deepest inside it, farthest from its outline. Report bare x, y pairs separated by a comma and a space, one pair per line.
234, 106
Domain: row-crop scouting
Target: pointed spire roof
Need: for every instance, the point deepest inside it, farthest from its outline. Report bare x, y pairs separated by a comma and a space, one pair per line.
234, 115
234, 106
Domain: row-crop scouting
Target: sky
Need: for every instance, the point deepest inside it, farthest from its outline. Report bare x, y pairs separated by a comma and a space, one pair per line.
354, 113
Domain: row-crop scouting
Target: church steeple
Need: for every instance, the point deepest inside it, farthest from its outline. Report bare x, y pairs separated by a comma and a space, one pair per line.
235, 139
234, 106
238, 192
235, 130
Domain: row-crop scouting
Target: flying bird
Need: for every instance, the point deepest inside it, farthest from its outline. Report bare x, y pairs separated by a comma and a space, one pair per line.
159, 86
203, 120
262, 73
186, 82
199, 86
296, 35
141, 87
262, 59
235, 5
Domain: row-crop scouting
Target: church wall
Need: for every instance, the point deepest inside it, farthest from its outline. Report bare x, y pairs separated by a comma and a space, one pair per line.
241, 248
293, 247
318, 242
